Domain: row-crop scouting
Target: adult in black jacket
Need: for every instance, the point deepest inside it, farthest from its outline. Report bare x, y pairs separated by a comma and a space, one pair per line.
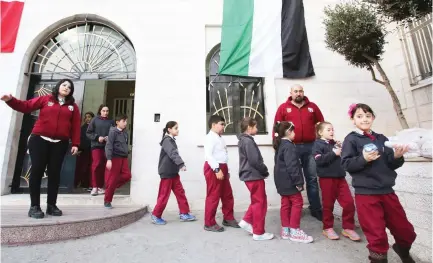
372, 166
289, 182
253, 171
170, 163
332, 181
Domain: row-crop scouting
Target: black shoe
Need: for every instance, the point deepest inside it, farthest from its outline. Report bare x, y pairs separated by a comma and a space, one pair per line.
108, 205
317, 214
54, 210
231, 223
403, 253
36, 212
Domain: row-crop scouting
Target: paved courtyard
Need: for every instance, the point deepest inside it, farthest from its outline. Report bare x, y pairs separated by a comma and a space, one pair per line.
189, 243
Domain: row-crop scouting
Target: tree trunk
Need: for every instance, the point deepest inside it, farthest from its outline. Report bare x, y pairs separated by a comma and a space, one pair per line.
395, 100
385, 81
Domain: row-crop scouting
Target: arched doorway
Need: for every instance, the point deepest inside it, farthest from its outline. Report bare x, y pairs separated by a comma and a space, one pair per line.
100, 61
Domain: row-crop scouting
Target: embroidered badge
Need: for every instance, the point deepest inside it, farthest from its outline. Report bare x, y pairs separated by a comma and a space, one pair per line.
289, 110
50, 103
71, 108
310, 110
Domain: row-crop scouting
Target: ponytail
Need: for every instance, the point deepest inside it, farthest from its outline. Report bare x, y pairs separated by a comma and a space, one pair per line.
280, 130
164, 132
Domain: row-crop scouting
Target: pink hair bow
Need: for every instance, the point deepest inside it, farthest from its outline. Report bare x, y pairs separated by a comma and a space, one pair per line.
351, 107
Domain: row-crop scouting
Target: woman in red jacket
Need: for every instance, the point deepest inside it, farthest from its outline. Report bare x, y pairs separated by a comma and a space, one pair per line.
59, 121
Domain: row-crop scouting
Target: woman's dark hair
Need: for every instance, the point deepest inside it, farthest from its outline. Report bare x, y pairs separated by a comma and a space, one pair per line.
169, 125
68, 99
280, 130
247, 122
319, 128
365, 108
100, 108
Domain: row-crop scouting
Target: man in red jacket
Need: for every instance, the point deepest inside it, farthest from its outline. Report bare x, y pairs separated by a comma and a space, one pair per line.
304, 115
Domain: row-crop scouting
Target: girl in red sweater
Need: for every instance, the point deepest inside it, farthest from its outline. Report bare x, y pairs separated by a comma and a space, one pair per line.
59, 120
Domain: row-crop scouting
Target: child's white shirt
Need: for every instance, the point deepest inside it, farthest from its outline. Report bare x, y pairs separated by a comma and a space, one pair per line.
215, 150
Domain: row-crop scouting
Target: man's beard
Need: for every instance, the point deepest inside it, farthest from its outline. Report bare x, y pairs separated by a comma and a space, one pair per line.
299, 99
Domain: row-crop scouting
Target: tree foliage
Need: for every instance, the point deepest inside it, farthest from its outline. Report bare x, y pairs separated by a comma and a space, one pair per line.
403, 11
355, 31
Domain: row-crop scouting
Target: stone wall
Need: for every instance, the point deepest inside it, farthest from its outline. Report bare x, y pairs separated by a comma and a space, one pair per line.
414, 189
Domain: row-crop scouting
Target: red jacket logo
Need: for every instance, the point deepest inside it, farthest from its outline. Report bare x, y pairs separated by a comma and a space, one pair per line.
310, 110
289, 110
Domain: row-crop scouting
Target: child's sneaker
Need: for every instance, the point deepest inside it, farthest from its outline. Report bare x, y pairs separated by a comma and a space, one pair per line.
187, 217
264, 236
158, 221
330, 233
297, 235
351, 234
246, 226
285, 233
108, 205
101, 191
94, 192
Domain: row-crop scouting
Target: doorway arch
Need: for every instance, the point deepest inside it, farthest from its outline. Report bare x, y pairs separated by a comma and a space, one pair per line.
81, 48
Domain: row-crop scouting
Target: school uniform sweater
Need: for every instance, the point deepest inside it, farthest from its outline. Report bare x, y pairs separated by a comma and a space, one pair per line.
304, 119
170, 161
251, 165
117, 144
55, 121
98, 127
328, 164
370, 178
84, 141
287, 169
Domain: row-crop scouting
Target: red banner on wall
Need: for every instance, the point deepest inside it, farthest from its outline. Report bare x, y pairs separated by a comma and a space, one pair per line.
10, 17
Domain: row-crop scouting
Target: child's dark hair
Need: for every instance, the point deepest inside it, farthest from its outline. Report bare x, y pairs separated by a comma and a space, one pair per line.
214, 119
364, 107
169, 125
319, 128
247, 122
100, 108
280, 130
120, 117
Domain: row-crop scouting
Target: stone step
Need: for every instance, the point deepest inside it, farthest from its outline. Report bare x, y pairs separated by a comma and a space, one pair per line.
65, 199
77, 221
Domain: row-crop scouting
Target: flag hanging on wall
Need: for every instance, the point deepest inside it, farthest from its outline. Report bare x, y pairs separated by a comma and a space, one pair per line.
263, 38
10, 17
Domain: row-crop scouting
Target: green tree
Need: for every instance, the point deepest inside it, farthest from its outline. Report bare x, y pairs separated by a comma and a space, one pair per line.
356, 31
403, 11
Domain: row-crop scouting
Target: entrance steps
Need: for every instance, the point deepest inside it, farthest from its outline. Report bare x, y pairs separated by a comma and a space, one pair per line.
83, 216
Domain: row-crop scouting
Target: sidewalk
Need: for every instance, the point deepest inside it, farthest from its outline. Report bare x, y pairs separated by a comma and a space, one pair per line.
189, 243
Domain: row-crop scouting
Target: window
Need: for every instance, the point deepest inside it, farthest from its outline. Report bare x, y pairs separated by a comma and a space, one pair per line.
233, 97
417, 47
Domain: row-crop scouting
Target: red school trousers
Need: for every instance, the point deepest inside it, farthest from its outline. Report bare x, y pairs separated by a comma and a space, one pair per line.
165, 187
98, 167
337, 189
256, 212
378, 212
291, 210
216, 190
116, 177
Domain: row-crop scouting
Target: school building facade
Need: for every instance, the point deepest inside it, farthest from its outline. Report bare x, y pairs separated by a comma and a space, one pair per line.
155, 60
